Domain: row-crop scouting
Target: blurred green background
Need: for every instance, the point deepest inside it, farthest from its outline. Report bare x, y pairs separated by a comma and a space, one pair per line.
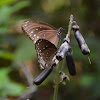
18, 60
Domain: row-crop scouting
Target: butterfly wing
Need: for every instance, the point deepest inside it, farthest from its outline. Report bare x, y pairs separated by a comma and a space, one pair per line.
32, 28
45, 51
50, 35
45, 38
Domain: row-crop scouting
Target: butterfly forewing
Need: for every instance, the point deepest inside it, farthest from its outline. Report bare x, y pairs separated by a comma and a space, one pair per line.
50, 35
38, 24
31, 28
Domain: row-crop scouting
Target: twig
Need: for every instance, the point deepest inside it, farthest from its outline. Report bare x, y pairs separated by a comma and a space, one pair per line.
26, 72
57, 81
27, 94
60, 64
70, 26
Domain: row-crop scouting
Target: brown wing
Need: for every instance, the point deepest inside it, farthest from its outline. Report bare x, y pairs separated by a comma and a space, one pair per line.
45, 51
45, 38
50, 35
32, 28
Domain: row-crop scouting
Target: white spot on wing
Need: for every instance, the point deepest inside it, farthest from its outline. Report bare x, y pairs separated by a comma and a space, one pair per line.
31, 31
42, 62
35, 41
37, 37
27, 21
40, 51
44, 48
37, 29
34, 35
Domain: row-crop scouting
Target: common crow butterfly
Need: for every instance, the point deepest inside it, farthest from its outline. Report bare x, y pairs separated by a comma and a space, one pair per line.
45, 38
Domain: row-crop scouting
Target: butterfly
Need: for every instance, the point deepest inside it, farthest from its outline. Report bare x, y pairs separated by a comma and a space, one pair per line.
45, 38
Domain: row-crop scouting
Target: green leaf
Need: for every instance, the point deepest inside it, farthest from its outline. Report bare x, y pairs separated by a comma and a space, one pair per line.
6, 11
6, 55
13, 89
7, 87
4, 77
20, 5
6, 2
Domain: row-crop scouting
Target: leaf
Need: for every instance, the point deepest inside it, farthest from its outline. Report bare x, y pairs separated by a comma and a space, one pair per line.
6, 2
13, 89
5, 14
6, 55
4, 76
7, 87
6, 11
20, 5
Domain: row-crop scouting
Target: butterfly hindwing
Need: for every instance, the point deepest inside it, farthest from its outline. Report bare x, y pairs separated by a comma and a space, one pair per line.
45, 51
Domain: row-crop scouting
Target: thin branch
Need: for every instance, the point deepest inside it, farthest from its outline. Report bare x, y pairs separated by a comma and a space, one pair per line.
70, 26
60, 63
32, 88
26, 72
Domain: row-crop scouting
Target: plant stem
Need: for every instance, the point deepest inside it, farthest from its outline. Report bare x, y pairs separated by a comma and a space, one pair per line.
70, 26
60, 63
57, 81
